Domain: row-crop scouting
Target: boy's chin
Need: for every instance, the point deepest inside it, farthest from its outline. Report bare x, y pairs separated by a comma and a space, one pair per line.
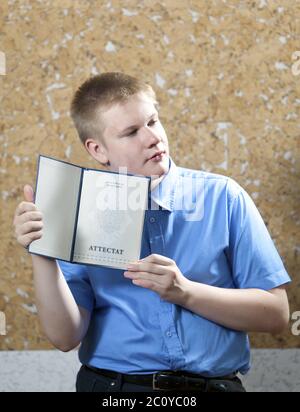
162, 166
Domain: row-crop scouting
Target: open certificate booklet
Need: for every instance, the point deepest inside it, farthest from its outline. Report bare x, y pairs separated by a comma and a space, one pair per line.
90, 216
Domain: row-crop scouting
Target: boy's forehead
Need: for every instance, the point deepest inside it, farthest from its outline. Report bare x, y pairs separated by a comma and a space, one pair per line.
134, 106
121, 115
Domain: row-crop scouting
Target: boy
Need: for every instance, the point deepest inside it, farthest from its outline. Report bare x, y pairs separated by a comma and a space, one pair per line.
177, 318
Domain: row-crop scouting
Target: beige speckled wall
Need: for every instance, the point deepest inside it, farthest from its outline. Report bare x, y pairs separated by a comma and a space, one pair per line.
229, 102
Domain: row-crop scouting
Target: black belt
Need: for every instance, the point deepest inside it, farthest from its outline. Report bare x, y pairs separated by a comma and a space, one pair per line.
165, 379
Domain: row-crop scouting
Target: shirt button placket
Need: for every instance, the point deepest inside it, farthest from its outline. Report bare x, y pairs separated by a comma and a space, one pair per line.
155, 235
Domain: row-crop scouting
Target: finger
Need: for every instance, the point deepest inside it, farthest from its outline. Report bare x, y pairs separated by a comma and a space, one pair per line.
150, 284
30, 237
144, 276
29, 216
25, 207
146, 284
29, 227
28, 193
159, 259
21, 213
148, 267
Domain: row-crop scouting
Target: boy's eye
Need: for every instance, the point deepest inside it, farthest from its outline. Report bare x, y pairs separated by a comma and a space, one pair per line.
151, 123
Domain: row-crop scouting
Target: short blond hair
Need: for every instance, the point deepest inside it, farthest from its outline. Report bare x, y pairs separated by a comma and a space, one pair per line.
101, 92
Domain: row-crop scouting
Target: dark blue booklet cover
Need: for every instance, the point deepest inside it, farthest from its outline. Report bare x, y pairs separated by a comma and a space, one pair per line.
90, 216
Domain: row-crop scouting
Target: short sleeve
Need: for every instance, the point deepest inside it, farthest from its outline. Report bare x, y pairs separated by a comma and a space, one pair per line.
79, 284
254, 259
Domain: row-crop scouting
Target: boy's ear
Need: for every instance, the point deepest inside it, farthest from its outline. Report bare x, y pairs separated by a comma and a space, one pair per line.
97, 150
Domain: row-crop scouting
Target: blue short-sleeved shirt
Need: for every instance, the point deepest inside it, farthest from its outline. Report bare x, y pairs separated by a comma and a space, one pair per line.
211, 228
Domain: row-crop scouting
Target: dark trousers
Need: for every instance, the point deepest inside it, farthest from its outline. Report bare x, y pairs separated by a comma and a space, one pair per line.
90, 381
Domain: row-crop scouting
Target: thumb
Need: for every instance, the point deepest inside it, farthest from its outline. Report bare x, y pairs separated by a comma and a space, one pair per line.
28, 193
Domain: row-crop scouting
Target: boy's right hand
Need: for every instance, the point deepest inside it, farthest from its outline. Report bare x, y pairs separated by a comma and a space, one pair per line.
28, 220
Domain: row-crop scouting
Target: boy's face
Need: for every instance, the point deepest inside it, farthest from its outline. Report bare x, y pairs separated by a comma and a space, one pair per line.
132, 147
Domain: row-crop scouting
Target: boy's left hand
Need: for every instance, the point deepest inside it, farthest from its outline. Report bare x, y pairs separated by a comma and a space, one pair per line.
160, 274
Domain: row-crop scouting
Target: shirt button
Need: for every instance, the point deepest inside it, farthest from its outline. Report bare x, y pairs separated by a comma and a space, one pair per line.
169, 334
152, 219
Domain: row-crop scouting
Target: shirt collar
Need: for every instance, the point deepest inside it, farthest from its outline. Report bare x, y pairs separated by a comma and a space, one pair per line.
164, 193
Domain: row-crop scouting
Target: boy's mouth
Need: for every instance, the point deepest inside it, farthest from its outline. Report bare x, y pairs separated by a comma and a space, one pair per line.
158, 156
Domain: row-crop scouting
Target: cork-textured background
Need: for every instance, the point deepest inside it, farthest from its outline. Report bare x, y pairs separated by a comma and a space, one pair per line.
229, 101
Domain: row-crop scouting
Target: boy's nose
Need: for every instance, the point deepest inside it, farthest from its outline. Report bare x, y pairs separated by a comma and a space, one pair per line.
151, 137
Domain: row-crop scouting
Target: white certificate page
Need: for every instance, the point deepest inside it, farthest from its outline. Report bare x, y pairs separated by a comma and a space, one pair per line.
110, 219
56, 197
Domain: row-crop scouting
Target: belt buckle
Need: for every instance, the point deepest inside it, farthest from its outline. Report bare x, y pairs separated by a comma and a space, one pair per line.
155, 382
